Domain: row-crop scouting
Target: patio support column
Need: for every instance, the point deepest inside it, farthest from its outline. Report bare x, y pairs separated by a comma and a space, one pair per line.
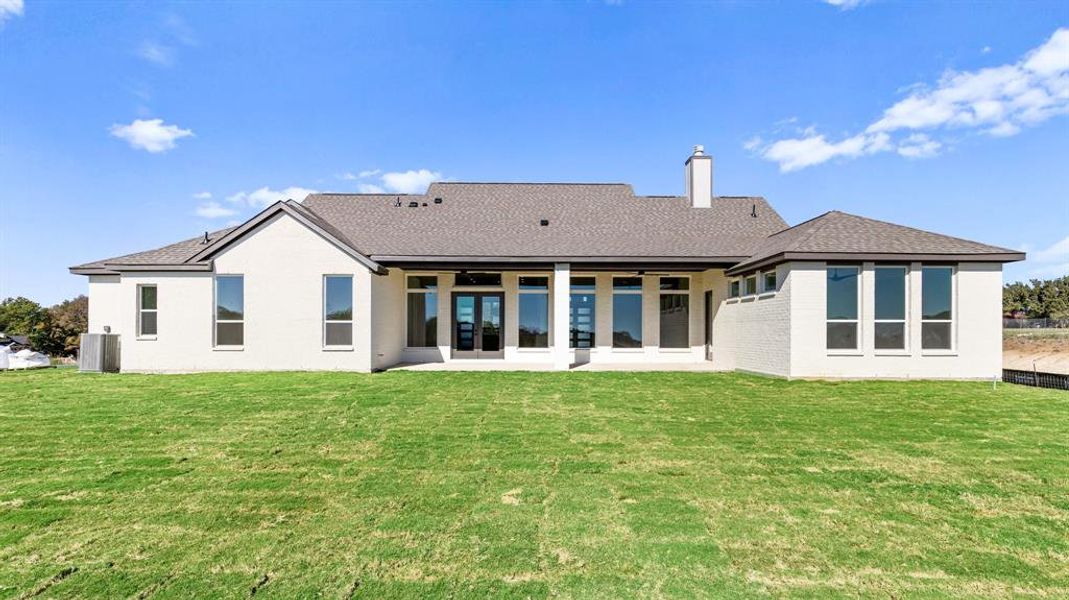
561, 295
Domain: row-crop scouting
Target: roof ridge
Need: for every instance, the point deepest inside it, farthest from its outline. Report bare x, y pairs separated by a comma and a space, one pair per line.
809, 220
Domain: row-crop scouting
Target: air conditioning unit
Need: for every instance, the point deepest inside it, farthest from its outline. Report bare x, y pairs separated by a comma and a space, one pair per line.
98, 353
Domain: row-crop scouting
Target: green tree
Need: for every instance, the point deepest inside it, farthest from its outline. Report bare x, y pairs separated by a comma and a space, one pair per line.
69, 319
21, 316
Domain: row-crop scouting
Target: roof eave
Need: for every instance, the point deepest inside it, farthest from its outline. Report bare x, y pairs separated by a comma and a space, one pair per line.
775, 259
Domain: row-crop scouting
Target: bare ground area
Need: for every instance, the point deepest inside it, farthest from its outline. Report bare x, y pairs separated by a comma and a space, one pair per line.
1045, 349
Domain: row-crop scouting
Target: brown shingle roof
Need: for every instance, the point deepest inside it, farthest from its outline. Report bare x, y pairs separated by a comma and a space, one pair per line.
839, 233
595, 220
176, 253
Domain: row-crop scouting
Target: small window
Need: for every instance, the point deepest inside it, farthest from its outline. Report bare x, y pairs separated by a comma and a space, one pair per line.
338, 310
533, 318
751, 285
675, 312
734, 293
582, 284
422, 282
146, 310
842, 292
937, 313
627, 312
768, 281
478, 279
229, 310
675, 284
534, 283
890, 323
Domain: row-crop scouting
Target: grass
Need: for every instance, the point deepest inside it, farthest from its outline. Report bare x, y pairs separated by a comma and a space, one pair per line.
600, 485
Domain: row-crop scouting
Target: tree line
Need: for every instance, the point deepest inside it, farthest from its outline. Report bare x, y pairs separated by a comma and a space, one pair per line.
54, 330
1037, 299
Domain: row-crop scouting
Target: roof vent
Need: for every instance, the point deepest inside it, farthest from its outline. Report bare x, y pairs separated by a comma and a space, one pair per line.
205, 240
544, 222
753, 211
413, 204
437, 200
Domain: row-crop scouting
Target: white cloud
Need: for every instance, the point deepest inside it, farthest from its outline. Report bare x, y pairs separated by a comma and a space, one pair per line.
203, 195
997, 101
394, 182
10, 8
410, 182
1052, 261
752, 144
266, 196
985, 50
157, 53
919, 145
214, 210
347, 176
795, 154
846, 4
150, 135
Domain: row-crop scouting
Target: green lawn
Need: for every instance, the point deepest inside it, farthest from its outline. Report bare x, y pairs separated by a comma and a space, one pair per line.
601, 485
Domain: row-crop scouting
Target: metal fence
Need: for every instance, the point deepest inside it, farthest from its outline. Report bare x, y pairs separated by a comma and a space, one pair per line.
1035, 323
1054, 381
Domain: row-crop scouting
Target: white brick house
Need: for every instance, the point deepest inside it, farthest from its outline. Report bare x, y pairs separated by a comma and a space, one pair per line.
557, 275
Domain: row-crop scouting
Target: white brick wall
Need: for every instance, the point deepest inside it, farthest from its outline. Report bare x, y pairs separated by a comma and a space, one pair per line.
752, 333
978, 327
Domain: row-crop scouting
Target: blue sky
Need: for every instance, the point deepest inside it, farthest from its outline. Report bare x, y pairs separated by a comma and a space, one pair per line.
127, 126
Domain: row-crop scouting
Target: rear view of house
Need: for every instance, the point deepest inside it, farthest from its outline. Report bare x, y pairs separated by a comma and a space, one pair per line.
557, 274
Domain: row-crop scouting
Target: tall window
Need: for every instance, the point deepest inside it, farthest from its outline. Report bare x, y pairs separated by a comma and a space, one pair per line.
937, 291
627, 312
675, 312
890, 326
229, 310
581, 317
146, 310
534, 312
734, 290
338, 310
422, 311
842, 308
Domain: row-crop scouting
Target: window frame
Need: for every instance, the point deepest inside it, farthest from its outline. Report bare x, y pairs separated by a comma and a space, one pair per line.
352, 312
735, 289
641, 310
763, 281
141, 310
549, 310
662, 292
583, 291
215, 312
858, 332
438, 298
905, 349
953, 311
746, 293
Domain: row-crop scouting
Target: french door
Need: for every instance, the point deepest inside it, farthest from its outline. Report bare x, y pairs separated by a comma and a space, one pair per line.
477, 330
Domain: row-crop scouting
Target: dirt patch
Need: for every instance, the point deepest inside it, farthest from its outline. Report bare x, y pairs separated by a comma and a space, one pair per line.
1045, 350
512, 497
